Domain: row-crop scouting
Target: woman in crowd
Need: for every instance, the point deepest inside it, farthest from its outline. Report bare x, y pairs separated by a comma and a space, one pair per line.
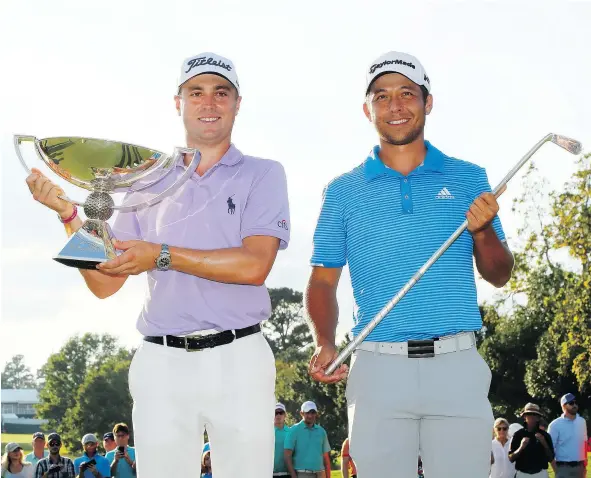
501, 466
14, 464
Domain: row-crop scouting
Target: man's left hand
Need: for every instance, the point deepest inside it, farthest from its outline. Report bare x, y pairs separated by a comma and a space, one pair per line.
139, 256
482, 211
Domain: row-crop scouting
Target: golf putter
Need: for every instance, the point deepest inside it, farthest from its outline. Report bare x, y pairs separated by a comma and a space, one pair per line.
571, 145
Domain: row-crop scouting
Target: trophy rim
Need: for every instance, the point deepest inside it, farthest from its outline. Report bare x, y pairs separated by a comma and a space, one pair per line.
88, 184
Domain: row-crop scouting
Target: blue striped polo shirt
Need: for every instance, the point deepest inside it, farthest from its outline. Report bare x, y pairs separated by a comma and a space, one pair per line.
385, 226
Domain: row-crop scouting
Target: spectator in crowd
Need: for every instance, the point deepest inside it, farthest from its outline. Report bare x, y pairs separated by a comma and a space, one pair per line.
569, 435
55, 466
348, 469
501, 466
109, 442
91, 464
531, 448
281, 430
307, 447
39, 451
122, 459
14, 464
206, 465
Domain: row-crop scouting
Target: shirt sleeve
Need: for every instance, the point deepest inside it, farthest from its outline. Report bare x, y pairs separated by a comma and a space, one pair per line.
38, 470
267, 207
326, 445
290, 440
515, 442
126, 226
77, 465
70, 468
553, 431
482, 185
329, 249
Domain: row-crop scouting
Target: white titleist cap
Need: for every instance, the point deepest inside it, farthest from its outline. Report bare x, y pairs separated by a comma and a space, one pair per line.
208, 63
308, 407
396, 62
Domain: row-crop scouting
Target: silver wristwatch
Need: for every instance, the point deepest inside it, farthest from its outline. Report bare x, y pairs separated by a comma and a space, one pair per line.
163, 260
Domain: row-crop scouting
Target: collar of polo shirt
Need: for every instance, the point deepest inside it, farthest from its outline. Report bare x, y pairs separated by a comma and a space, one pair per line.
374, 167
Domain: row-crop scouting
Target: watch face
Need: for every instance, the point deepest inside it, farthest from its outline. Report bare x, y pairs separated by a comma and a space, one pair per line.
163, 262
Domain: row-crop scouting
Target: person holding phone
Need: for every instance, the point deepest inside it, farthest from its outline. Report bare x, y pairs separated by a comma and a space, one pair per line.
91, 464
122, 458
55, 466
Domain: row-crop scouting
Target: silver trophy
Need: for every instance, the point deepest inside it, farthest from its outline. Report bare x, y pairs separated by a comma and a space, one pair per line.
105, 168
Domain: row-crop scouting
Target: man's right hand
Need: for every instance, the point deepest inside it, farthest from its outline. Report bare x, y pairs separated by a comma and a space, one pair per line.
524, 442
46, 193
322, 358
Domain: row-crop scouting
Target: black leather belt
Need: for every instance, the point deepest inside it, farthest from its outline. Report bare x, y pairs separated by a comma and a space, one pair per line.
197, 343
570, 463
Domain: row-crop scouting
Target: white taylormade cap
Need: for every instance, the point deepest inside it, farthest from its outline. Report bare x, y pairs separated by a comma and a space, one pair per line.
396, 62
208, 63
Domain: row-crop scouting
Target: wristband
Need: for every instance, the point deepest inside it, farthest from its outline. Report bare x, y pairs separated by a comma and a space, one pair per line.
71, 218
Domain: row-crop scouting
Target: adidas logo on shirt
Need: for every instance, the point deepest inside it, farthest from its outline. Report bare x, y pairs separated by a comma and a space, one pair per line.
444, 194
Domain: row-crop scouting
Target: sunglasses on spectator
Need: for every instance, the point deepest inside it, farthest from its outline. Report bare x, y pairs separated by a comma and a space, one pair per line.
279, 412
572, 402
502, 428
54, 443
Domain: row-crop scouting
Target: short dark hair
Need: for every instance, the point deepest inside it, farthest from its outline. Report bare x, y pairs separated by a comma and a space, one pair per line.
121, 427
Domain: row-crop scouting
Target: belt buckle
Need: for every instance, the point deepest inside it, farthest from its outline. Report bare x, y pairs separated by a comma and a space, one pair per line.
186, 337
421, 348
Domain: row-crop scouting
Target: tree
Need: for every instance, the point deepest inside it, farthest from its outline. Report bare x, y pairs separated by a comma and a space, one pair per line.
295, 386
102, 400
287, 330
66, 371
17, 375
541, 348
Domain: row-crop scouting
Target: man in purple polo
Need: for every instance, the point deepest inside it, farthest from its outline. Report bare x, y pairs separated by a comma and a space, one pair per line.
207, 250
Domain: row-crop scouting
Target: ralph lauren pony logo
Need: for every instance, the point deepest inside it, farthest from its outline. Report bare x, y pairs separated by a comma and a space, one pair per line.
231, 205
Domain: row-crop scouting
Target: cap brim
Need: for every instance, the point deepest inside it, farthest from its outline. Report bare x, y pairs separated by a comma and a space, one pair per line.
531, 412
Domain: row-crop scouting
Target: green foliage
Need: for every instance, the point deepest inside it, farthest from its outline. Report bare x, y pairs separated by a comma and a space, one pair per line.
102, 400
66, 370
17, 375
541, 348
287, 330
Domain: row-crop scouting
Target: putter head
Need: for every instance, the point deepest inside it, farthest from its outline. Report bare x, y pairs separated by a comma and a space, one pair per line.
571, 145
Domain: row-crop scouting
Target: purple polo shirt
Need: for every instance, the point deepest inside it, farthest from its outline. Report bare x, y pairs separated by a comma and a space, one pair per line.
240, 196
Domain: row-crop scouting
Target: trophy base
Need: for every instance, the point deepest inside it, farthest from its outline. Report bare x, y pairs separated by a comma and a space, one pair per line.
89, 246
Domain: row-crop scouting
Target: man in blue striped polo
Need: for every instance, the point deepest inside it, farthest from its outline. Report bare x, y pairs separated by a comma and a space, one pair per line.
385, 218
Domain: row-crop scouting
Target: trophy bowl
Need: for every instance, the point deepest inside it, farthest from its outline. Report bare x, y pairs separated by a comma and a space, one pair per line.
104, 167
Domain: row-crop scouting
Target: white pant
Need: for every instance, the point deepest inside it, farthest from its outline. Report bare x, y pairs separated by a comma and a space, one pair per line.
230, 390
541, 474
438, 407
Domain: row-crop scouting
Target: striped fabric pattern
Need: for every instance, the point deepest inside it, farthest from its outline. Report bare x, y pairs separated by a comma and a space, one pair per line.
385, 226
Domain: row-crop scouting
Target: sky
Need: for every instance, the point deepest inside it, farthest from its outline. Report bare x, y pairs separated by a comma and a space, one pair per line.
503, 75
